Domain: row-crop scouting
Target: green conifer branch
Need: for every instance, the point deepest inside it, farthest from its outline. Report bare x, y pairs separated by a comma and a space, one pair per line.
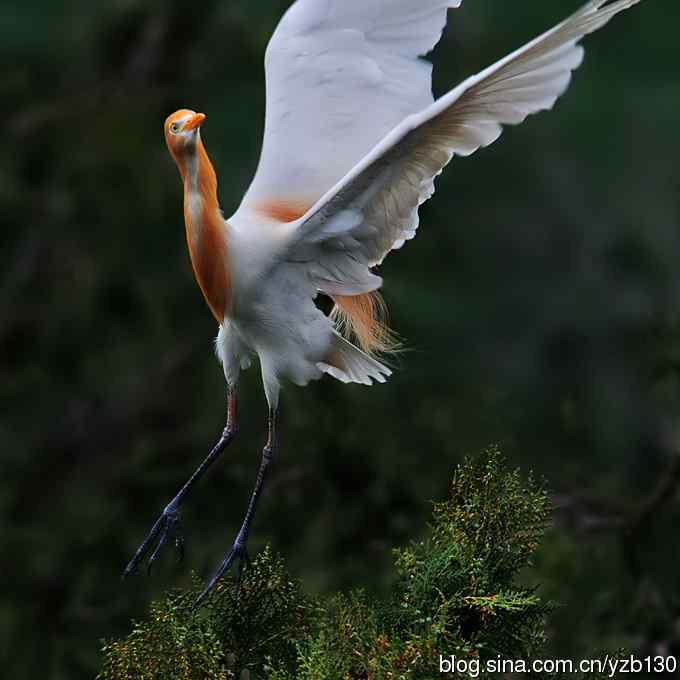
455, 593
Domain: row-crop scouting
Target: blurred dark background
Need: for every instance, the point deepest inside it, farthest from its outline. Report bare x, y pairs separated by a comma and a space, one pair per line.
540, 302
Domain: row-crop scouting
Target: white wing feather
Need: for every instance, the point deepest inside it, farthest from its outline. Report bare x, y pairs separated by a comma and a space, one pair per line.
374, 208
340, 75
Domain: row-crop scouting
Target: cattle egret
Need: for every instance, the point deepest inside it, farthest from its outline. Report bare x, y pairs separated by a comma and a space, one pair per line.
353, 142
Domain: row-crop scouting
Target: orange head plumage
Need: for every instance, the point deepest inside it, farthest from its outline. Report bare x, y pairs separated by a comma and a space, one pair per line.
182, 134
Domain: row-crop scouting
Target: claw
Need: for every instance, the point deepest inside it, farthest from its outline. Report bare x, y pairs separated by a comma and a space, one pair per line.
168, 524
238, 551
157, 549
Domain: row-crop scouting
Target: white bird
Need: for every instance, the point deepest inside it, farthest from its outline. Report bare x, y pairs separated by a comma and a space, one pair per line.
352, 145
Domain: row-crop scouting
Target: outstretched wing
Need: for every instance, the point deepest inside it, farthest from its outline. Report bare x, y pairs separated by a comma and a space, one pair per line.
340, 75
374, 208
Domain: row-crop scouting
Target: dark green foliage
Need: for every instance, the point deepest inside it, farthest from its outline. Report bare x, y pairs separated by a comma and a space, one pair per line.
228, 635
463, 578
171, 644
456, 593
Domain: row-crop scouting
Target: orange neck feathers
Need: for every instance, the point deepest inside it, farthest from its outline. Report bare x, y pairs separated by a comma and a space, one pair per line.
206, 229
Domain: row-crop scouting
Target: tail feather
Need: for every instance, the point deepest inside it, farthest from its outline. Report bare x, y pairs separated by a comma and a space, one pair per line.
349, 364
364, 319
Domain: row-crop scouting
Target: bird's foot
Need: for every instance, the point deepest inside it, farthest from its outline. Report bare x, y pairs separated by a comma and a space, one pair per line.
238, 553
168, 525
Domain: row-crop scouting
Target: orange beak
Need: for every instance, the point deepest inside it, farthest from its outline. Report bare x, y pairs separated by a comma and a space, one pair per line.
194, 122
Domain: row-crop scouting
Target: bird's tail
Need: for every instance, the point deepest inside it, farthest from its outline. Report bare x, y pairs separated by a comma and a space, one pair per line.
349, 364
364, 318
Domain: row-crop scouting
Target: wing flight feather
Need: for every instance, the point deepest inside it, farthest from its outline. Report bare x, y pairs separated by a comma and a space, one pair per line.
340, 75
374, 208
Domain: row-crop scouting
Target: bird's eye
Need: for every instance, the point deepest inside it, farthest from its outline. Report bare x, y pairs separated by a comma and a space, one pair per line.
174, 128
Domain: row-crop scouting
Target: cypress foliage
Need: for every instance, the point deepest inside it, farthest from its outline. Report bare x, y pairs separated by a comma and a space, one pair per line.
456, 593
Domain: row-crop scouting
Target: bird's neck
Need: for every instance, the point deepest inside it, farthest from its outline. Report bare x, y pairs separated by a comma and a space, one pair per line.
206, 230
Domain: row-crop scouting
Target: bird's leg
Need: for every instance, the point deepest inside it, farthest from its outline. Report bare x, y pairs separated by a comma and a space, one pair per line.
238, 550
168, 524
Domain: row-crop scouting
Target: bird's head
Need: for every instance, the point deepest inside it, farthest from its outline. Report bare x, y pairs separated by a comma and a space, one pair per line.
182, 132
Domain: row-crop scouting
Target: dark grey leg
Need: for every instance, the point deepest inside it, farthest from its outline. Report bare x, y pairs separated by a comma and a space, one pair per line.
238, 550
168, 524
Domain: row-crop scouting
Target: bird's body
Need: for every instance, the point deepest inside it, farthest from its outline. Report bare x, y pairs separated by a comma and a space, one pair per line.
274, 319
261, 297
353, 143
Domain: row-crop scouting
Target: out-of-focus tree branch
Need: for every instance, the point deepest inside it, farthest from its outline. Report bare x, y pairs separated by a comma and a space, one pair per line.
591, 516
